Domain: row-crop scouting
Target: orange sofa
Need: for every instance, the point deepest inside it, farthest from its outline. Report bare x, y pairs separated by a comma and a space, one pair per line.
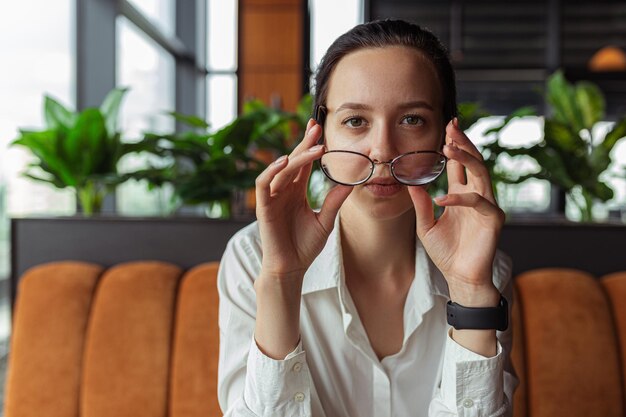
141, 339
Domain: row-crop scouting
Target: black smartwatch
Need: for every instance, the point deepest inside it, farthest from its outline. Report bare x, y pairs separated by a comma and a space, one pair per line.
479, 318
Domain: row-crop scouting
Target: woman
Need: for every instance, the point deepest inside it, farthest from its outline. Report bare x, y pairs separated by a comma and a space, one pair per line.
342, 312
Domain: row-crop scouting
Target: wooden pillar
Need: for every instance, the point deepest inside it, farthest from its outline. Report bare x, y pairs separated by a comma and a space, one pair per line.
272, 51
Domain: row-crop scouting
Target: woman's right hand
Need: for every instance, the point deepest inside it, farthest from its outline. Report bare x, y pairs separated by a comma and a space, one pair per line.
292, 234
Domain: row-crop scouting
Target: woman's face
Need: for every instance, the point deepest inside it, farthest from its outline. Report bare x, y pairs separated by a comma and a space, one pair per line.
383, 102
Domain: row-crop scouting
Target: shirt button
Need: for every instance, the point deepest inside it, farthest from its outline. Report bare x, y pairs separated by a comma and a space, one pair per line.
299, 397
467, 403
297, 367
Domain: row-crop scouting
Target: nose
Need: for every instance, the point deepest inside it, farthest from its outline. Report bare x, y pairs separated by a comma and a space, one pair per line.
383, 148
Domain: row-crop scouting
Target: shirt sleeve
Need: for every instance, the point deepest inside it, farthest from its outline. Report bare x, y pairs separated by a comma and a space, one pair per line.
250, 384
278, 387
474, 385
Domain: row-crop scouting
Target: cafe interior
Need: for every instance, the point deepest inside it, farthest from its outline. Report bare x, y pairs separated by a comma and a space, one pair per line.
131, 136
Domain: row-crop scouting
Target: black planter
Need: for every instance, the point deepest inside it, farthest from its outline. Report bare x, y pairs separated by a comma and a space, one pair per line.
188, 241
108, 240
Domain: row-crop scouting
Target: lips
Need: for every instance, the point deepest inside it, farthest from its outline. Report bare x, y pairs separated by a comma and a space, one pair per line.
383, 187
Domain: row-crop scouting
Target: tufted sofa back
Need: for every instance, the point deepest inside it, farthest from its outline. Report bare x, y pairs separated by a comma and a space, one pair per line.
569, 344
141, 339
137, 339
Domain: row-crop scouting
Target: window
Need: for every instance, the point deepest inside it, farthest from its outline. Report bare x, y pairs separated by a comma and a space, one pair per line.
28, 51
222, 62
330, 19
22, 104
148, 71
160, 12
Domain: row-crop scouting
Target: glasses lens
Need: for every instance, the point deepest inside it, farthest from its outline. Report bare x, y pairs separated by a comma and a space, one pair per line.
419, 168
346, 167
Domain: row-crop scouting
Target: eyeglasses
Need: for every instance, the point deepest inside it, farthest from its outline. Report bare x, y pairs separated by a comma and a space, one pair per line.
411, 168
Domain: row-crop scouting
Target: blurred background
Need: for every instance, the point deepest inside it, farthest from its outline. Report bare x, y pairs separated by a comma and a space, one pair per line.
207, 59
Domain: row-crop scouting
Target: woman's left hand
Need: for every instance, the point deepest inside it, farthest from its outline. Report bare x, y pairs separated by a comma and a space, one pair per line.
462, 241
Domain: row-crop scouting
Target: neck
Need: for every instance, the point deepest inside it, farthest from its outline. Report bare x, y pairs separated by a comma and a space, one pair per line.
379, 250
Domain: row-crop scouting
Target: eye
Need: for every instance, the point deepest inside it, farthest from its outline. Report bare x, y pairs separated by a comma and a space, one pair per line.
354, 121
412, 119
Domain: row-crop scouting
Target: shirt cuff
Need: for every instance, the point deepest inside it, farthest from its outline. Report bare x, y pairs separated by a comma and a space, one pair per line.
277, 387
472, 384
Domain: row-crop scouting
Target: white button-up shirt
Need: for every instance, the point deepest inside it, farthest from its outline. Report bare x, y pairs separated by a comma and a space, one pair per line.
334, 372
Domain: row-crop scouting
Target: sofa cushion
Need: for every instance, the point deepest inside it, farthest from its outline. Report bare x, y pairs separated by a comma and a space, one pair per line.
196, 345
127, 353
572, 363
49, 325
615, 286
518, 359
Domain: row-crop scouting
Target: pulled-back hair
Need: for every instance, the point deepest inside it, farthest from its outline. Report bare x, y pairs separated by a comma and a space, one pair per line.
382, 33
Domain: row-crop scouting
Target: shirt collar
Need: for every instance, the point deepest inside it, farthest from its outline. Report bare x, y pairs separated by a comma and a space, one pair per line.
326, 270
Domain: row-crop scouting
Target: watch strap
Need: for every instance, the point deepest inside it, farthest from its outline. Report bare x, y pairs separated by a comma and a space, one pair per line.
479, 318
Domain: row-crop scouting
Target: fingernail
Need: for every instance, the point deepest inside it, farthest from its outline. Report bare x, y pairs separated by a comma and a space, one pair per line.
316, 148
441, 198
456, 122
280, 160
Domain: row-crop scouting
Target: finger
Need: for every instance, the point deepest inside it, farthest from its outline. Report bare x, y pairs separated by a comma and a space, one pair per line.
304, 174
312, 135
333, 201
460, 139
473, 200
296, 163
424, 211
454, 169
264, 180
477, 172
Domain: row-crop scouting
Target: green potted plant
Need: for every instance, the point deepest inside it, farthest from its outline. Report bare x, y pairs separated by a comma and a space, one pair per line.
469, 113
214, 168
570, 156
79, 150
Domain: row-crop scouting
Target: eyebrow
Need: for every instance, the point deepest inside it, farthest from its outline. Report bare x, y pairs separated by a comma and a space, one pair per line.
407, 105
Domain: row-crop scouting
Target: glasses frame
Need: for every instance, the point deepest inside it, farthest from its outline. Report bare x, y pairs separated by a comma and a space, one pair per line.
391, 164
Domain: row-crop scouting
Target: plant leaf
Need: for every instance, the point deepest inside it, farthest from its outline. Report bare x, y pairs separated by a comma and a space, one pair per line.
560, 136
552, 166
305, 110
618, 132
42, 145
470, 113
85, 145
253, 105
56, 115
110, 108
599, 160
601, 190
189, 120
562, 96
591, 103
236, 134
52, 181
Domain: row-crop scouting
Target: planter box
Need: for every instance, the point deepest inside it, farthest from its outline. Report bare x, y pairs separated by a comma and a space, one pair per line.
596, 248
184, 241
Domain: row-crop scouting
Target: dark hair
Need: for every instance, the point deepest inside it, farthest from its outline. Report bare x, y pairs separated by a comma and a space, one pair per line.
381, 33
